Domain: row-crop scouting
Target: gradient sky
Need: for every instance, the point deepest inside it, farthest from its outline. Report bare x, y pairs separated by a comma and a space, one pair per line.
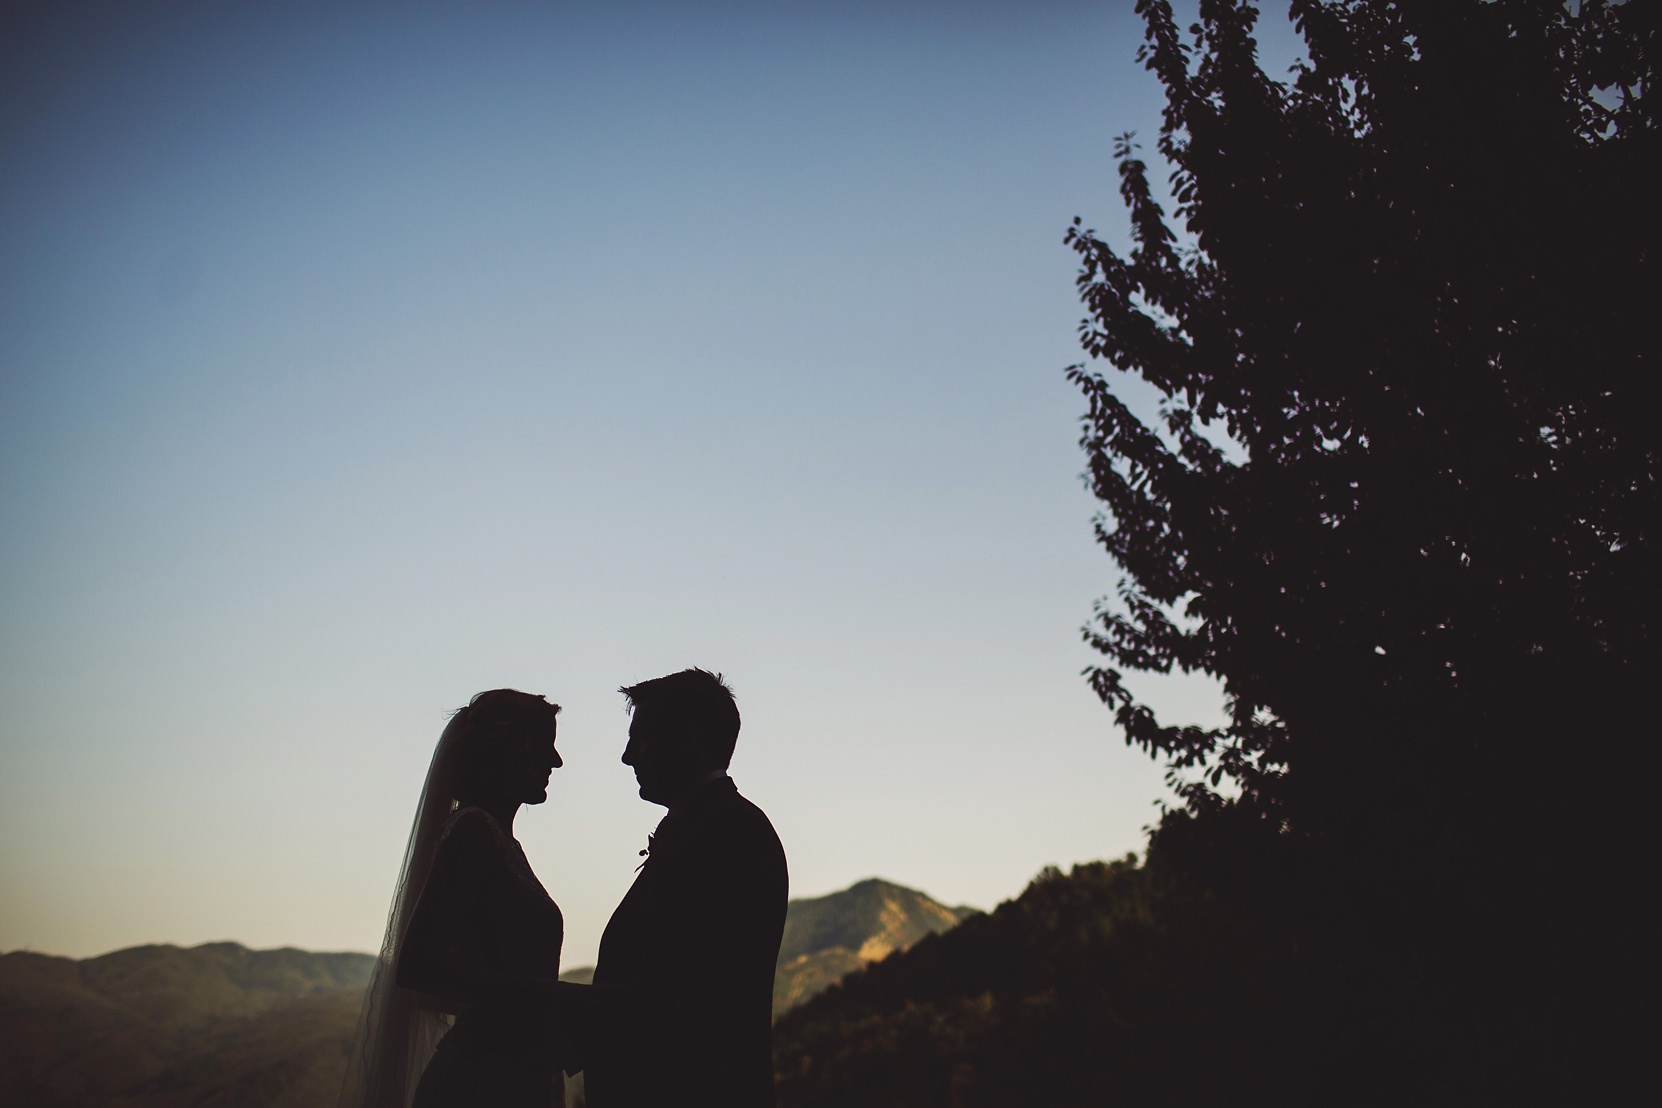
357, 359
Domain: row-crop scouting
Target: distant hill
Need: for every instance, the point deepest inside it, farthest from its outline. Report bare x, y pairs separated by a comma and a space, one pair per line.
163, 1025
222, 1026
828, 937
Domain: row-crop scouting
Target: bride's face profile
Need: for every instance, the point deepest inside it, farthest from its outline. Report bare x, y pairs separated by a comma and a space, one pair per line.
538, 760
528, 759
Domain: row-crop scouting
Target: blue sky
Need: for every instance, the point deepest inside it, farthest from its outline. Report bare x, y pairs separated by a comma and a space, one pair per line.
354, 361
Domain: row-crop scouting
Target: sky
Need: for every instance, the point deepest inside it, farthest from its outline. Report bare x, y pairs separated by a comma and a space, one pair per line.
354, 359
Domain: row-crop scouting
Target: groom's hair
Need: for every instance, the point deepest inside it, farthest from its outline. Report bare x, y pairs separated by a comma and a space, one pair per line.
698, 705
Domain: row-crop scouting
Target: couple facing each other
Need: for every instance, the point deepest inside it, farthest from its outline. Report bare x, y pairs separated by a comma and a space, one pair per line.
465, 1007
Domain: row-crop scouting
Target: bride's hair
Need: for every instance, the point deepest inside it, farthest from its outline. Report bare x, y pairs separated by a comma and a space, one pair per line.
399, 1028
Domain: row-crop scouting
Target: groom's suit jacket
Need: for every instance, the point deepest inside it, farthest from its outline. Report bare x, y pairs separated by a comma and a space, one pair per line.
688, 960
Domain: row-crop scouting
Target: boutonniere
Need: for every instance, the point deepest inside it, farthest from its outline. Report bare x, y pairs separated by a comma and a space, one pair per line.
646, 855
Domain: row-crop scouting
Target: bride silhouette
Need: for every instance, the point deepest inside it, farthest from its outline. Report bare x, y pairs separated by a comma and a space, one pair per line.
457, 1010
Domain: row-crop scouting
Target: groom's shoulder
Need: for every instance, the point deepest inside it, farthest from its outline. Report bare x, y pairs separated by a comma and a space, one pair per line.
742, 820
736, 806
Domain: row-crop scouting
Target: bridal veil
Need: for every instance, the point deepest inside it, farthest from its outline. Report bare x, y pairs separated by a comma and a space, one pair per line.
399, 1029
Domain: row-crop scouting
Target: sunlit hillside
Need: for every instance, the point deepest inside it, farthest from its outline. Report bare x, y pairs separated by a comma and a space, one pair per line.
829, 936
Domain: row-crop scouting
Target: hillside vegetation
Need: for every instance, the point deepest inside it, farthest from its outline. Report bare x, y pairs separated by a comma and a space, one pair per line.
967, 1017
1107, 984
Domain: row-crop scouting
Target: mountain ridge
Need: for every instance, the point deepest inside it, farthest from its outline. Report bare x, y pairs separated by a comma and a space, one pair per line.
106, 1030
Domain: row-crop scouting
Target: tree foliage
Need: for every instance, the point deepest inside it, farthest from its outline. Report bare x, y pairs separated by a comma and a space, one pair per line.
1402, 500
1406, 486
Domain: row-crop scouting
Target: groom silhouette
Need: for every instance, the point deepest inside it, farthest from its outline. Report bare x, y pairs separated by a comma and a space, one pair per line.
680, 1011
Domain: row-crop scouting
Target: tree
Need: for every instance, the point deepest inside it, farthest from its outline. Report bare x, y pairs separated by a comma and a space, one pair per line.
1403, 503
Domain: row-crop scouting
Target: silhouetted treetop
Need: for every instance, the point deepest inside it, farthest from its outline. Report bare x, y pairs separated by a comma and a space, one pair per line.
1403, 496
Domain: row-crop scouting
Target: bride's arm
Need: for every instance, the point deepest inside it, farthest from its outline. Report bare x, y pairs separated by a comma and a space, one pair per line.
437, 955
579, 1012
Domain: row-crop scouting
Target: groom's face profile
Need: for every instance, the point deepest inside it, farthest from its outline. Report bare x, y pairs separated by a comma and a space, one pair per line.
663, 760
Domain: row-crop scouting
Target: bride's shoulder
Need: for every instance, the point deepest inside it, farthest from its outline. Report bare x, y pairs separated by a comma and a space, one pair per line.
467, 827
